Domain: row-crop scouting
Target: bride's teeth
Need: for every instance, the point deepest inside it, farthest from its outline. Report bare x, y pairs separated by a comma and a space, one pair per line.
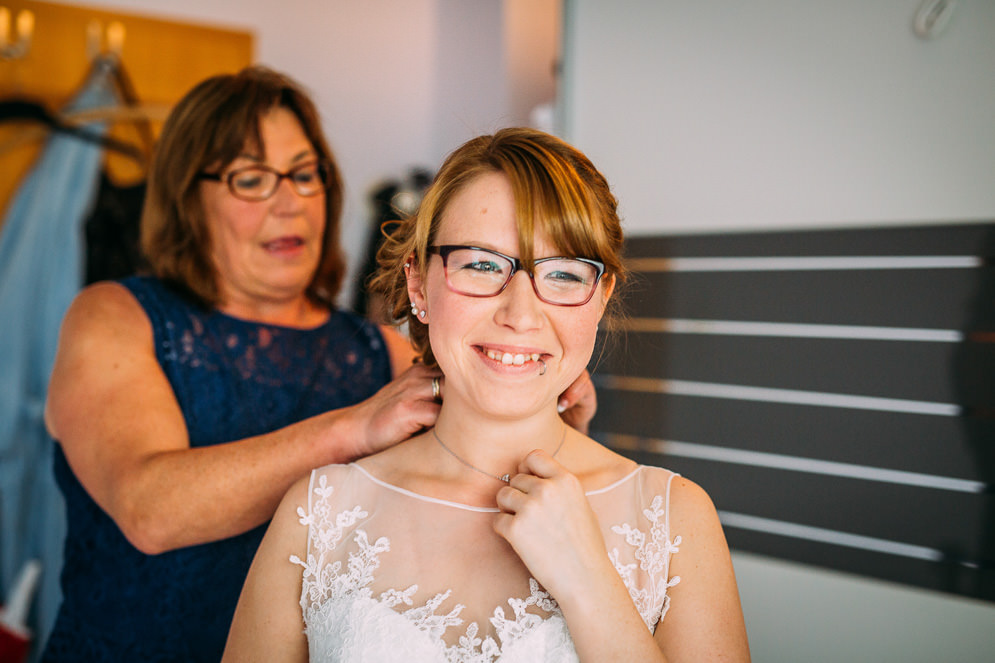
507, 358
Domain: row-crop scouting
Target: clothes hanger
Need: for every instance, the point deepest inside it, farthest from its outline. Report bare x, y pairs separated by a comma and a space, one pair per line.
111, 61
130, 110
44, 121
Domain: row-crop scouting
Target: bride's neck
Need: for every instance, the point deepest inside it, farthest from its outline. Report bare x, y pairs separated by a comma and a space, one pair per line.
496, 442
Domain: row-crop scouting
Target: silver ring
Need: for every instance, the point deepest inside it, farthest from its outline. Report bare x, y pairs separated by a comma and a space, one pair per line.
436, 389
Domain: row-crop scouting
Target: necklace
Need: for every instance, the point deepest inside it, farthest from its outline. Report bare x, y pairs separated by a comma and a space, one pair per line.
505, 477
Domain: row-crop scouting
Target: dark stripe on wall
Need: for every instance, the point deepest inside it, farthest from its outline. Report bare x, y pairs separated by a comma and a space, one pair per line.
946, 446
901, 240
932, 298
893, 369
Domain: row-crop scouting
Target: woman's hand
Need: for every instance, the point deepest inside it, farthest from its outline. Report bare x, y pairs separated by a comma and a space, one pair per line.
546, 518
578, 403
400, 409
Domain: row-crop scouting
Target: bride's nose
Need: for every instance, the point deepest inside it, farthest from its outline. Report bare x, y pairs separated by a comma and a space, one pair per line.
520, 307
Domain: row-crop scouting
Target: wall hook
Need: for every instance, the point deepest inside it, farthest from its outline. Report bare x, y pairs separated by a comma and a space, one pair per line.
15, 44
100, 42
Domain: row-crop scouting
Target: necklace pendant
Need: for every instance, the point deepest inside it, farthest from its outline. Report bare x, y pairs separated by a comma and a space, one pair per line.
506, 478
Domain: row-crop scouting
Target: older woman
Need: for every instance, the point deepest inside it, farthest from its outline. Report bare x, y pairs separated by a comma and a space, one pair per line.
500, 533
186, 403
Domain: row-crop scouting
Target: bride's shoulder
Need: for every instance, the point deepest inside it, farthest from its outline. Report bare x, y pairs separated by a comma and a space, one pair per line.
323, 482
335, 471
597, 466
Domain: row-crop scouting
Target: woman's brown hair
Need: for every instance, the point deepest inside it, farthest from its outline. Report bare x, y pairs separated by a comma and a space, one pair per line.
557, 191
207, 130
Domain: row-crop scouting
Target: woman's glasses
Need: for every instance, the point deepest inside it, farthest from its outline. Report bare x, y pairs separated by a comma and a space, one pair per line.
477, 272
255, 183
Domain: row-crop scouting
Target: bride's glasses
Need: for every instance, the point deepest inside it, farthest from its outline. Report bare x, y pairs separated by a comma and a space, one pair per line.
477, 272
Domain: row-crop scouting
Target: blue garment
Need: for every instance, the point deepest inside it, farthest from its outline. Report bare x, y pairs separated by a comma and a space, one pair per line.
233, 379
41, 270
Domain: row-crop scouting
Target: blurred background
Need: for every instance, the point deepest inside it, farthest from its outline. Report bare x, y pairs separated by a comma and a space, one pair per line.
711, 119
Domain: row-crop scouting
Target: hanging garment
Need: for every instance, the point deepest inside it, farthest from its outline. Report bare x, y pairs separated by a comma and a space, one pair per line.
41, 270
112, 232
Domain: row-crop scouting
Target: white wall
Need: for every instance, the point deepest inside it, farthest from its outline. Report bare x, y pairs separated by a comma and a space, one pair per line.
495, 64
472, 93
721, 114
800, 614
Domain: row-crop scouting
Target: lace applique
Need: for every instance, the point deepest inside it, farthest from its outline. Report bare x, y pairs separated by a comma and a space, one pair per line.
653, 555
509, 629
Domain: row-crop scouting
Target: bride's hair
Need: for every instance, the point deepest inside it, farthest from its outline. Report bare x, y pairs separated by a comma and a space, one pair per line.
557, 191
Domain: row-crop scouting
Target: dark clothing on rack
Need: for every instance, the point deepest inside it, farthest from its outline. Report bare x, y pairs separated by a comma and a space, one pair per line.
112, 230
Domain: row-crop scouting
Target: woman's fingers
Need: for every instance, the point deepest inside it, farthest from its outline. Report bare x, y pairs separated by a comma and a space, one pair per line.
579, 403
400, 409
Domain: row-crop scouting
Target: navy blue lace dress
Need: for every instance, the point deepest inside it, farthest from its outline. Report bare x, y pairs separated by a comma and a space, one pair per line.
233, 379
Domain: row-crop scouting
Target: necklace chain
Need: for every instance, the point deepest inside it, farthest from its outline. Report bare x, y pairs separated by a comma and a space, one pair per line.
506, 477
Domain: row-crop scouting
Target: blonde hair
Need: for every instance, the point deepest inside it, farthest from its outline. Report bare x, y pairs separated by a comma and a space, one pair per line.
557, 191
207, 130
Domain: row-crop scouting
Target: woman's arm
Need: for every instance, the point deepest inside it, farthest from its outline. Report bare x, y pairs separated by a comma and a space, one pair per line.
268, 625
113, 411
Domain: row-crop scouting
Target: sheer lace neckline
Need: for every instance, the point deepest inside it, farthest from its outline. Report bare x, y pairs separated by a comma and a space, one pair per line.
469, 507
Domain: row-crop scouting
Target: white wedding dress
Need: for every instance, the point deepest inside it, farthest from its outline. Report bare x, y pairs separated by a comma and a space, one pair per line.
395, 576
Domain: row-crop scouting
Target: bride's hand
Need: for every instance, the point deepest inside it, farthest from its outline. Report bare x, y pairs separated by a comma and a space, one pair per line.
545, 516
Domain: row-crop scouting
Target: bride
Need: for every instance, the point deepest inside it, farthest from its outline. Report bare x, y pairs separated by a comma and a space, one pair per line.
502, 533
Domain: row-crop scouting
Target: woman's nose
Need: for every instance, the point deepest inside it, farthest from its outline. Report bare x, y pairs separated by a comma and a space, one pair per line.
520, 307
286, 195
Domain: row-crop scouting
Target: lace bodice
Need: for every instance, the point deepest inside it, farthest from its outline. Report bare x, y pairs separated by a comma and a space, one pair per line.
395, 576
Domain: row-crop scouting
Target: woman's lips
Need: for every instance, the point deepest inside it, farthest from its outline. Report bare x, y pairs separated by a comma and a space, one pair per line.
283, 244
